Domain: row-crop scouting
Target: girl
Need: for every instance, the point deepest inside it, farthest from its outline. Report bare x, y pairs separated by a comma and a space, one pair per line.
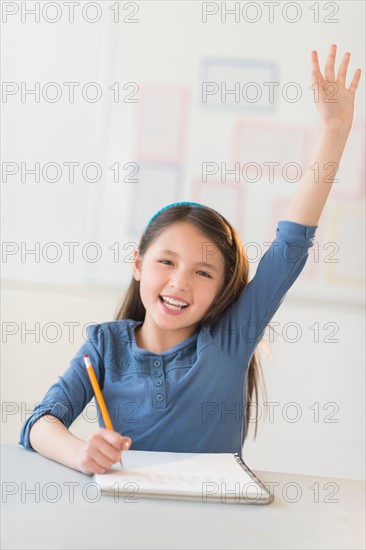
179, 367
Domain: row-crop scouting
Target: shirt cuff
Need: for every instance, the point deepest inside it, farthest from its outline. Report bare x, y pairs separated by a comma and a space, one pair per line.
58, 410
296, 233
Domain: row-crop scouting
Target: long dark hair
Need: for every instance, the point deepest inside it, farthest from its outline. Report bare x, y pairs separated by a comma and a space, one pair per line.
220, 232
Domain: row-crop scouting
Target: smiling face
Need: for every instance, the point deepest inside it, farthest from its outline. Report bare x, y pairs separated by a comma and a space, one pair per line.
175, 265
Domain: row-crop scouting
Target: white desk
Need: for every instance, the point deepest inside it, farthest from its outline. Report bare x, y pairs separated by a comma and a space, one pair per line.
74, 520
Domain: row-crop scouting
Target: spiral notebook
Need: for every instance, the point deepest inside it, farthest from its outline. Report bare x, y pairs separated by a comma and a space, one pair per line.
205, 477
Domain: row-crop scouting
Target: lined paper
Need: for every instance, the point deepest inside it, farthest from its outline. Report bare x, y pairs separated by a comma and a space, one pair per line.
216, 475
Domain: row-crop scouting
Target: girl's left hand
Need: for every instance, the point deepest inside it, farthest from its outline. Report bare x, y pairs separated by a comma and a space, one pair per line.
334, 101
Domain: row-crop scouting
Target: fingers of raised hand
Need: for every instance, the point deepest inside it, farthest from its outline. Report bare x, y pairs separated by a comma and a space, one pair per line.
342, 71
355, 81
316, 75
329, 66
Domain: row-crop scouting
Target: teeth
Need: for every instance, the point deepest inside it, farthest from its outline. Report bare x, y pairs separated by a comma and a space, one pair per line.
174, 302
174, 308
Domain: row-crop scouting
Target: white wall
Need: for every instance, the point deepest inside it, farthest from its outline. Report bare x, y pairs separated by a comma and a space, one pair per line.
169, 132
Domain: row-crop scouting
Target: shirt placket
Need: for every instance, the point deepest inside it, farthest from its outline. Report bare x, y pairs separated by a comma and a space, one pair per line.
159, 389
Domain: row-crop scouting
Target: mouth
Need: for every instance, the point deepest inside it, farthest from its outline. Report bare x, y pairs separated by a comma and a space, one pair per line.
172, 307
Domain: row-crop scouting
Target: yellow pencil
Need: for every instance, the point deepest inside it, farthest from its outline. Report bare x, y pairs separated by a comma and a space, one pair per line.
98, 395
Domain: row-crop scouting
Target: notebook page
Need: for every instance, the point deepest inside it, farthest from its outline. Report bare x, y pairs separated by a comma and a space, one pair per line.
180, 473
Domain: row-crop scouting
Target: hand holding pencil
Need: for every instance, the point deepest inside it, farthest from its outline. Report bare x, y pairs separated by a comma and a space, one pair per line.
105, 446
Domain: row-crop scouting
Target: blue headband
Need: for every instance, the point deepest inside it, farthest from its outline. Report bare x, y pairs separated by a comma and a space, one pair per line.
188, 203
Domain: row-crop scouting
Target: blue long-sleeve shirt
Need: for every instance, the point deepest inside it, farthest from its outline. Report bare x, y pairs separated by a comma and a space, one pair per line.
190, 398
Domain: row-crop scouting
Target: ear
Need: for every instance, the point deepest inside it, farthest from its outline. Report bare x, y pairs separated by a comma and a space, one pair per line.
136, 264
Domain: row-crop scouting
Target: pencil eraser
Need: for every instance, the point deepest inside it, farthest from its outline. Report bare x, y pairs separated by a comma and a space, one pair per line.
87, 361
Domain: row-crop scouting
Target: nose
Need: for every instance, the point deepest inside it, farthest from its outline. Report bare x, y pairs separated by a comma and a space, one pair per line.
180, 281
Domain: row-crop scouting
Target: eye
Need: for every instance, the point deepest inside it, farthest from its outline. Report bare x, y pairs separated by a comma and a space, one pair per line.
161, 261
206, 274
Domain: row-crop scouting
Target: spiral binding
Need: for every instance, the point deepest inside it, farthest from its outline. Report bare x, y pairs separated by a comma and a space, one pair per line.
270, 498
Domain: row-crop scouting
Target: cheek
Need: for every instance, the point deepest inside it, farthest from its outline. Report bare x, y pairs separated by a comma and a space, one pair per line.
153, 281
214, 293
205, 294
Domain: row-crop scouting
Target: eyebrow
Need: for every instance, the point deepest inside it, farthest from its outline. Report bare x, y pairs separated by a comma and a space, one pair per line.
172, 253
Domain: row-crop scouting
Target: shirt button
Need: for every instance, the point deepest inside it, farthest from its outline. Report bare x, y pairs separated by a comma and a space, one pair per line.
158, 382
158, 373
156, 363
159, 397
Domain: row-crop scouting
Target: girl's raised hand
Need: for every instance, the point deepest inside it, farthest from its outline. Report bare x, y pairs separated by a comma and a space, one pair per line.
101, 451
334, 101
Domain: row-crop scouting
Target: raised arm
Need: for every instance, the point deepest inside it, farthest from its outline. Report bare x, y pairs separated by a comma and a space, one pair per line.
335, 104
